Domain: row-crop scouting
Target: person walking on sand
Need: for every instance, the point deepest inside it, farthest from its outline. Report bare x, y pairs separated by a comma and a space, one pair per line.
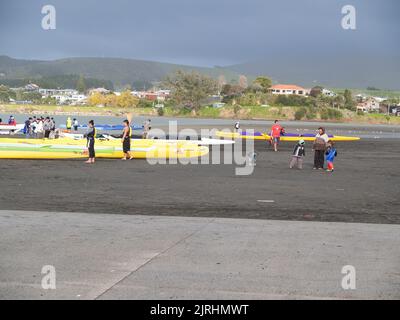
331, 154
126, 141
90, 135
299, 153
275, 134
319, 147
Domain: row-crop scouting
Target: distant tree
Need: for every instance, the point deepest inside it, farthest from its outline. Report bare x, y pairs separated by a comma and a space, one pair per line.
338, 101
232, 90
348, 100
243, 81
6, 94
264, 82
96, 99
221, 82
126, 100
316, 91
190, 89
81, 84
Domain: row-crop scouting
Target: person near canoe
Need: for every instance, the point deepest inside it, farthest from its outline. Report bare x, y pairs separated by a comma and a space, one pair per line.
146, 128
47, 127
90, 135
126, 140
319, 147
275, 134
28, 128
12, 121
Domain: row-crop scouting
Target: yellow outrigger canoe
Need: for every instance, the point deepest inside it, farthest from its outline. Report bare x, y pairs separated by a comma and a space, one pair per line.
65, 148
285, 137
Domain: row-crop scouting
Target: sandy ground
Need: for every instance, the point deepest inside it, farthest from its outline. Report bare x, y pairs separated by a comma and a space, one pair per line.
364, 187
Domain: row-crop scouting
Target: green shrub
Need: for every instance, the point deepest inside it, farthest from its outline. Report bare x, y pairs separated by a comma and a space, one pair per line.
292, 100
331, 114
160, 111
300, 113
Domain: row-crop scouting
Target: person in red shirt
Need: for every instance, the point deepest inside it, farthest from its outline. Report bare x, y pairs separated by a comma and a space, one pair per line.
12, 121
275, 134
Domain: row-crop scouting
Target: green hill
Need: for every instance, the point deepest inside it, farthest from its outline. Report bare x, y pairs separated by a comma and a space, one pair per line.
120, 71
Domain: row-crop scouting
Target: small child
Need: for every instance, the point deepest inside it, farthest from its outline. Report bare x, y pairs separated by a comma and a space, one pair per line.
299, 153
330, 154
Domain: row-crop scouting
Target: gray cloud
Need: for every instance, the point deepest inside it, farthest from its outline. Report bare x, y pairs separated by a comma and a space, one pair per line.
200, 32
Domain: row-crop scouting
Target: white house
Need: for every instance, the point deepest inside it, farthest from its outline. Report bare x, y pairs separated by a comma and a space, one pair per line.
328, 93
369, 105
289, 89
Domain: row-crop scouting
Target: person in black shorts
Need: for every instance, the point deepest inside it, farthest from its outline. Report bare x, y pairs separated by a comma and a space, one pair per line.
90, 136
126, 141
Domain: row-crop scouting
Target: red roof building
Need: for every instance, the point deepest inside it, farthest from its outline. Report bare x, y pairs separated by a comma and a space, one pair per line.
289, 89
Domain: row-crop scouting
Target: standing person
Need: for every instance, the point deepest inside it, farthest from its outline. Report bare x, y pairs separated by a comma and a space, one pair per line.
33, 127
12, 121
237, 126
126, 141
299, 153
68, 124
319, 147
75, 124
330, 153
146, 128
90, 135
275, 134
39, 128
52, 128
47, 127
27, 128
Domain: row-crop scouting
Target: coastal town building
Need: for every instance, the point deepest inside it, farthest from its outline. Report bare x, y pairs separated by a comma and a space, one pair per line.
99, 90
159, 95
328, 93
369, 105
289, 89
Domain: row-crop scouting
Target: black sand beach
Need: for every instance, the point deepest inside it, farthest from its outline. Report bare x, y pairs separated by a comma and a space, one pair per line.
364, 188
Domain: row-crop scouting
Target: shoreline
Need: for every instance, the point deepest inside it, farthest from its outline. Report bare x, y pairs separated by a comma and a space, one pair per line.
94, 111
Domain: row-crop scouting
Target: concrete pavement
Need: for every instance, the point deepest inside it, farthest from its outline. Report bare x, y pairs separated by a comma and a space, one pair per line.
100, 256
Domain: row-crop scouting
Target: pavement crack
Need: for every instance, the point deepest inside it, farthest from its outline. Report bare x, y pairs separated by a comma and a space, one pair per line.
155, 257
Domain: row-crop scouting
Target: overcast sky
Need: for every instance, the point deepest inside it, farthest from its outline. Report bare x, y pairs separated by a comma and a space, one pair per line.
198, 32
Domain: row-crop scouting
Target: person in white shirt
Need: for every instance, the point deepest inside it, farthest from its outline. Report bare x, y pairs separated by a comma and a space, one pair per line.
319, 147
39, 129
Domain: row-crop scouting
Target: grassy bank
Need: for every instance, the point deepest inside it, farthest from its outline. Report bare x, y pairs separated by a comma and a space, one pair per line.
227, 112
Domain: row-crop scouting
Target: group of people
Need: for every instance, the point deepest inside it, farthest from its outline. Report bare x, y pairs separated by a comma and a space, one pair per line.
39, 127
323, 147
90, 136
72, 124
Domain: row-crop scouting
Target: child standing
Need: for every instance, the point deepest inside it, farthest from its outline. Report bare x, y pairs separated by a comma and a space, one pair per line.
330, 154
299, 153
